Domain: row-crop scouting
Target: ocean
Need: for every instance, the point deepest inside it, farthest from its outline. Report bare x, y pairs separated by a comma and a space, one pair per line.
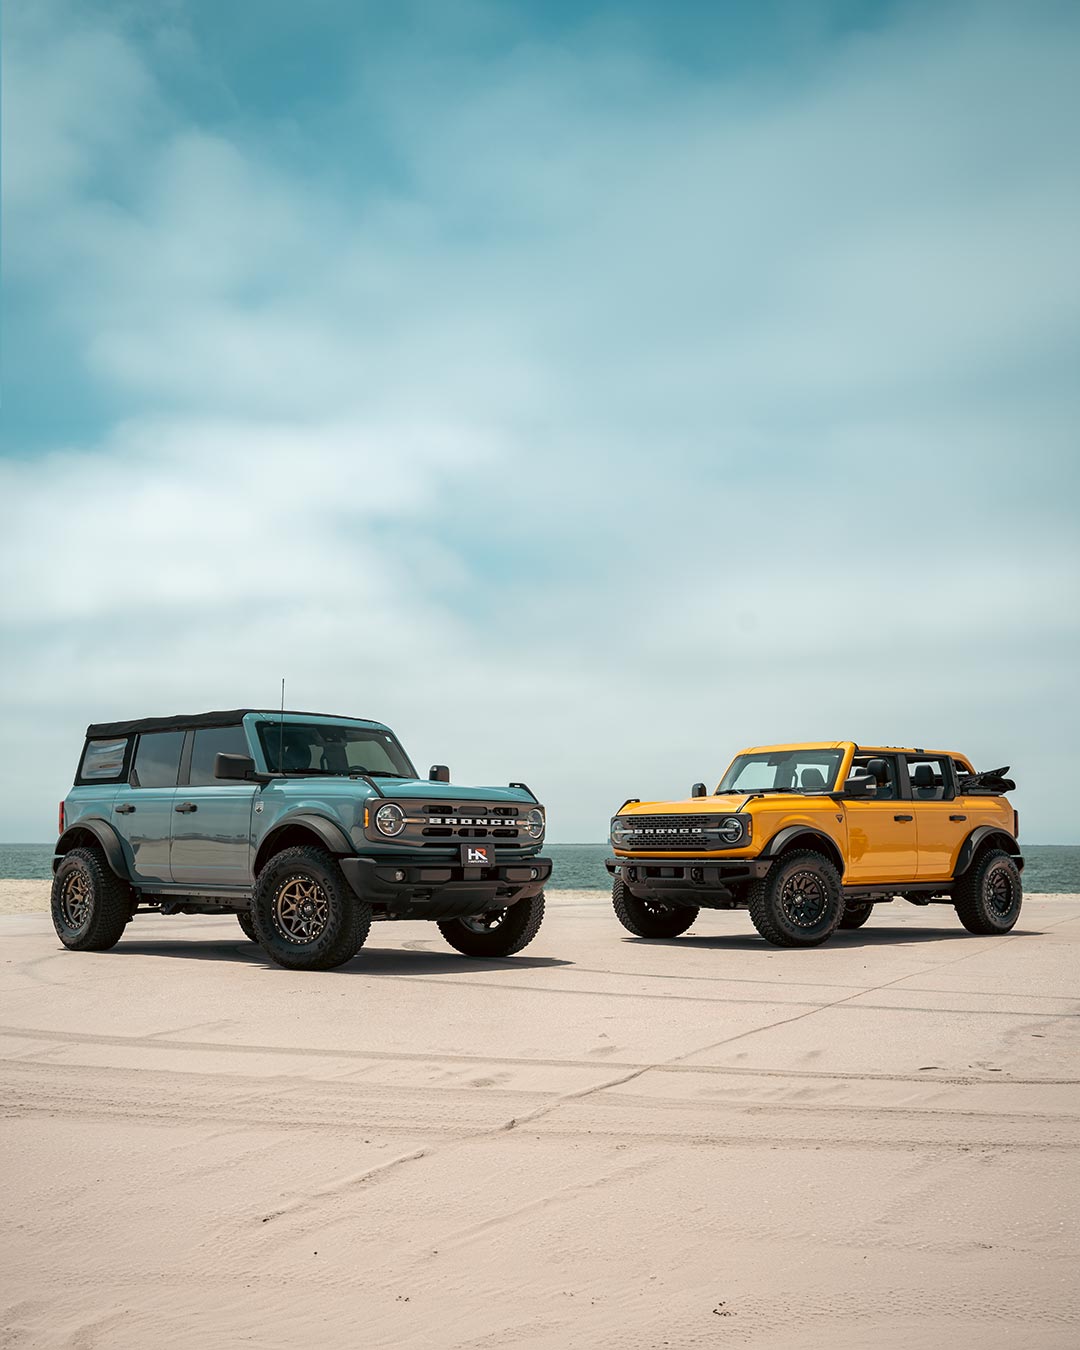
1050, 867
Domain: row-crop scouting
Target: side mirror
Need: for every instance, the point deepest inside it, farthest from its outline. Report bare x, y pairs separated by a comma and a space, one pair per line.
860, 783
439, 773
236, 768
699, 790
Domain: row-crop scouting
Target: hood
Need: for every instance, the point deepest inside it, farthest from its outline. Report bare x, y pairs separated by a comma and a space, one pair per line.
726, 802
413, 789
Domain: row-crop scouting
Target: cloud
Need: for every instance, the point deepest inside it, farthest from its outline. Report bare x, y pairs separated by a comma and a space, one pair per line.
584, 415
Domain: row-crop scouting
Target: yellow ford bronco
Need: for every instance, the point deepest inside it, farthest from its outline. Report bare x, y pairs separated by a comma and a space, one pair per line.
810, 837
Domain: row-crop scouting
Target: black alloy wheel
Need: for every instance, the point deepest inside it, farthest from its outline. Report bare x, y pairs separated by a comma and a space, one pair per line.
798, 903
650, 918
989, 895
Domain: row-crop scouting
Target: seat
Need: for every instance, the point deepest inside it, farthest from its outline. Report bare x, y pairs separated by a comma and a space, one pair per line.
886, 788
924, 783
295, 753
335, 759
812, 780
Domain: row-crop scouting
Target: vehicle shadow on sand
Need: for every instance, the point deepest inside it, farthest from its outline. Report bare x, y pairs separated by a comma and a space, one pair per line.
858, 937
368, 961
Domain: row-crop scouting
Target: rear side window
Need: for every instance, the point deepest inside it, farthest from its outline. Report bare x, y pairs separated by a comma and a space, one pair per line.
212, 741
103, 761
930, 780
157, 759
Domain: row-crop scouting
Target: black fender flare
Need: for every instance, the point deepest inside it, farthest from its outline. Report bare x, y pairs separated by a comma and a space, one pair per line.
779, 842
106, 837
980, 836
332, 835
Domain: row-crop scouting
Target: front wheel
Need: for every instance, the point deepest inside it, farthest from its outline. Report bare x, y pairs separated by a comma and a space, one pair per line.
90, 904
989, 894
499, 932
798, 903
305, 914
650, 918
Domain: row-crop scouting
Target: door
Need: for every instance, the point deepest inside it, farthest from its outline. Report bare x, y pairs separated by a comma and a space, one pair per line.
143, 809
211, 824
882, 841
940, 819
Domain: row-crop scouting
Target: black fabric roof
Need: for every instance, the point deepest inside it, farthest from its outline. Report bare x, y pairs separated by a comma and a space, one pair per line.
178, 722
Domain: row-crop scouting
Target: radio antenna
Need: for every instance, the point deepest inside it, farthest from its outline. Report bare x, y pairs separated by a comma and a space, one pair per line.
281, 731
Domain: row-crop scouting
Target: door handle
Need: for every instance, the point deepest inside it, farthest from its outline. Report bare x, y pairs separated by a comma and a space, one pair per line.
894, 817
958, 817
124, 809
186, 808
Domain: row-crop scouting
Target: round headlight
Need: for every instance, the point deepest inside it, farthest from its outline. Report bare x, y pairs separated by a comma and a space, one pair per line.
390, 819
730, 829
534, 823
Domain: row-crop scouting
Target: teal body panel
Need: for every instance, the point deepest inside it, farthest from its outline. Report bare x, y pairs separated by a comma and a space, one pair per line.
209, 836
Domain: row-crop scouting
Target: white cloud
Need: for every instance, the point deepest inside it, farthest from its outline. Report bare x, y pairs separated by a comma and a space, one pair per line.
643, 417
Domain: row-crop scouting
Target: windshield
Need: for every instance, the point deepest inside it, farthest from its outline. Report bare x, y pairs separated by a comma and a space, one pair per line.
308, 747
783, 771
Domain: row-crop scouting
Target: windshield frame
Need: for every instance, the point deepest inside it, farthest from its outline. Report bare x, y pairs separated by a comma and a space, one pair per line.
831, 762
267, 729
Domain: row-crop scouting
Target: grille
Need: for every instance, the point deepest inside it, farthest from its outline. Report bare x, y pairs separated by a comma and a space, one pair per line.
440, 823
683, 833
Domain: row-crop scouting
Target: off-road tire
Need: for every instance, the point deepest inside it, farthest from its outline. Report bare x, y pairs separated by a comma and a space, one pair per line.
650, 918
989, 894
775, 900
90, 904
245, 921
512, 932
855, 915
341, 931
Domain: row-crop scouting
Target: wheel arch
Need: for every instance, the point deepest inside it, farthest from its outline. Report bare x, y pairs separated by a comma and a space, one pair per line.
804, 836
91, 832
986, 836
301, 830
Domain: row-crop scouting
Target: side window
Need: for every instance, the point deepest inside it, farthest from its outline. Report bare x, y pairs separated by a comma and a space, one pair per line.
888, 785
211, 741
930, 781
103, 761
157, 759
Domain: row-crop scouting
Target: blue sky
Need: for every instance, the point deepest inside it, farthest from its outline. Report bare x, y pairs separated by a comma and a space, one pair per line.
588, 390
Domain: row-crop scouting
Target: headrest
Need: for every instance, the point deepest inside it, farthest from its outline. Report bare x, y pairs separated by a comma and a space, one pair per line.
879, 769
923, 777
813, 778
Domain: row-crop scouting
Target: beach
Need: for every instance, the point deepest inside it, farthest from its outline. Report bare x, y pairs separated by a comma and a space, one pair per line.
602, 1142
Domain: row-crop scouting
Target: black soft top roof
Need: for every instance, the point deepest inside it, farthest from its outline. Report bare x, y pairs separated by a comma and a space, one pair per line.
178, 722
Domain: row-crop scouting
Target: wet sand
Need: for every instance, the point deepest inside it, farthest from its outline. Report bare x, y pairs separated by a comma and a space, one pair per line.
601, 1143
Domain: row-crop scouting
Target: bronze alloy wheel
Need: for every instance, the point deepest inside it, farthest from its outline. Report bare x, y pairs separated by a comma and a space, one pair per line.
301, 909
804, 899
484, 923
76, 900
1000, 892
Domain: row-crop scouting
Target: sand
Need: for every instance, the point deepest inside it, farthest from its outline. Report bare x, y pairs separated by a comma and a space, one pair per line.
601, 1143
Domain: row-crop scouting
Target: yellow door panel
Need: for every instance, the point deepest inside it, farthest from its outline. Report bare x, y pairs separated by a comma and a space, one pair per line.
942, 828
882, 842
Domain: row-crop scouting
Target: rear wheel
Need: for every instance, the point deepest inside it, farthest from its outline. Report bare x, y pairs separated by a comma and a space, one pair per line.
499, 932
305, 915
855, 915
650, 918
90, 904
244, 920
798, 903
989, 894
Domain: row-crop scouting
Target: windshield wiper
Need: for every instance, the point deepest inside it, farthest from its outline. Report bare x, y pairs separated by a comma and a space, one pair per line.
380, 773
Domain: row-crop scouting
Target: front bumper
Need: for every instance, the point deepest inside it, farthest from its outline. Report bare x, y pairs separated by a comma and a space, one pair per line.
403, 888
709, 883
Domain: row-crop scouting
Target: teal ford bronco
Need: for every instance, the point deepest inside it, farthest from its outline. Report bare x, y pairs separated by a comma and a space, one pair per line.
305, 826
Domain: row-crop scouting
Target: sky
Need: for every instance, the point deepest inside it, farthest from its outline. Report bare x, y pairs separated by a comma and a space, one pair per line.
587, 390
